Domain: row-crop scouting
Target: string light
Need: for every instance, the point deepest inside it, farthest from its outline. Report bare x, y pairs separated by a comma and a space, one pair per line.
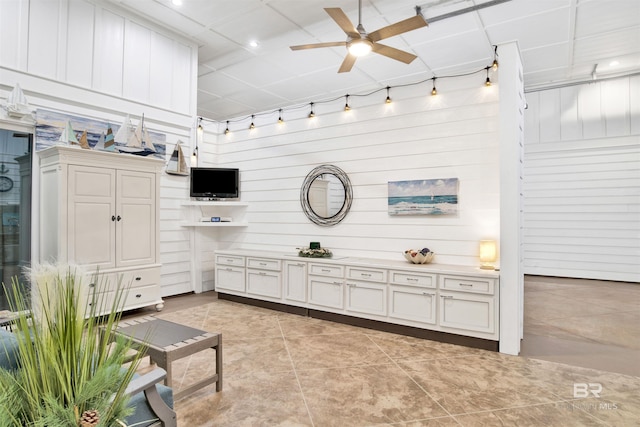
495, 58
346, 97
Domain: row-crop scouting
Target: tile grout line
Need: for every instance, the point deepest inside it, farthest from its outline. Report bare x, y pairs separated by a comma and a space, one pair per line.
412, 379
295, 372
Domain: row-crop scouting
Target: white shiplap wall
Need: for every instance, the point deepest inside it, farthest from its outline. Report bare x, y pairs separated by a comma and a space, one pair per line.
452, 135
582, 181
92, 59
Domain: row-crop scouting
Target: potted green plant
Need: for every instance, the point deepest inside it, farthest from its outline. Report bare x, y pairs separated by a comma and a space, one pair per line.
71, 372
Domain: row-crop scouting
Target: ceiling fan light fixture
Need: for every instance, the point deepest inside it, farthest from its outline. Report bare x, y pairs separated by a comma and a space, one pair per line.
359, 47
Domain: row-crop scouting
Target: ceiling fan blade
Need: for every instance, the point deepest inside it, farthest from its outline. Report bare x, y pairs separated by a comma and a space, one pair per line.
407, 25
393, 53
347, 64
343, 21
317, 45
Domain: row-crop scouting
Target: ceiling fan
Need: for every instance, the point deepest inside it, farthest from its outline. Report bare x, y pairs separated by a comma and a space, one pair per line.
359, 42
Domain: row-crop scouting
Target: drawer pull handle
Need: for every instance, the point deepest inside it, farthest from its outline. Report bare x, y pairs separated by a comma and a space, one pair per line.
229, 269
427, 294
324, 270
365, 274
230, 260
262, 273
138, 295
411, 279
468, 285
447, 296
138, 278
337, 283
263, 263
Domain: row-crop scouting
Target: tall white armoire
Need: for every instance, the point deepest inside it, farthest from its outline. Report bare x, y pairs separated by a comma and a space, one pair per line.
100, 210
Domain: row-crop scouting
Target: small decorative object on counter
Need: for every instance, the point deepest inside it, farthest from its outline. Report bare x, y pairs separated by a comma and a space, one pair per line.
423, 256
315, 253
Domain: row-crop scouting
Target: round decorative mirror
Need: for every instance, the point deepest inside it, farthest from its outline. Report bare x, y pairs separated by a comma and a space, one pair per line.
326, 195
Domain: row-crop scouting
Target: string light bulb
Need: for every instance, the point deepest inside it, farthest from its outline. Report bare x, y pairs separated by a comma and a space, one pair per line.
434, 92
311, 113
346, 105
495, 58
226, 131
488, 81
252, 126
280, 116
388, 100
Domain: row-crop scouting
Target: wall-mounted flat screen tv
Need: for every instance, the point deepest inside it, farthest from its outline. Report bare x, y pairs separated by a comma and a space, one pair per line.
214, 183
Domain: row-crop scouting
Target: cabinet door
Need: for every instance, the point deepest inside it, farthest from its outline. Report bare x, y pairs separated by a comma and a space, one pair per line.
295, 281
368, 298
412, 303
263, 283
135, 218
230, 278
467, 311
90, 222
326, 292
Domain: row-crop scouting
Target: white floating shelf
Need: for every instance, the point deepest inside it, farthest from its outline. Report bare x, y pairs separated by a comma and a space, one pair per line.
216, 224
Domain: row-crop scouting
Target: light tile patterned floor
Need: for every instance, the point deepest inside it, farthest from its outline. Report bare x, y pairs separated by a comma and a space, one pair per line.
287, 370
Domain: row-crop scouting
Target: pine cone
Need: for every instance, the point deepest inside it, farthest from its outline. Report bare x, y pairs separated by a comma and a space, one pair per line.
89, 419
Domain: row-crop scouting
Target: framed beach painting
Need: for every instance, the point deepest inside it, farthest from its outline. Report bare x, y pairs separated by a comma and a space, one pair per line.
423, 197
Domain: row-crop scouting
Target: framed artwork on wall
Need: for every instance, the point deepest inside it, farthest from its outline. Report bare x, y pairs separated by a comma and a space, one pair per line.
423, 197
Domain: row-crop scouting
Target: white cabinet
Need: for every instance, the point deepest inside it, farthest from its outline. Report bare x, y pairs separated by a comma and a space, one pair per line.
100, 210
453, 299
295, 282
412, 297
468, 304
230, 274
264, 278
366, 291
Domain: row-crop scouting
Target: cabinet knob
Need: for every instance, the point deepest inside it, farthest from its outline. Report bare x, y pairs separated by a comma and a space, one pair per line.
138, 278
92, 285
138, 295
118, 218
113, 217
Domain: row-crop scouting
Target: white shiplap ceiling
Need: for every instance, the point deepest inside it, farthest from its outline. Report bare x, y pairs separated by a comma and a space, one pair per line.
561, 41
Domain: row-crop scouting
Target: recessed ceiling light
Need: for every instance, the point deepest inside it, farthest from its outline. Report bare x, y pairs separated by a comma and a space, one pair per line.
614, 63
176, 2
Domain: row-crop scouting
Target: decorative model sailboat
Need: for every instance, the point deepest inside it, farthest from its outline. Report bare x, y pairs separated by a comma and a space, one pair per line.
84, 142
68, 135
138, 141
177, 163
17, 105
106, 141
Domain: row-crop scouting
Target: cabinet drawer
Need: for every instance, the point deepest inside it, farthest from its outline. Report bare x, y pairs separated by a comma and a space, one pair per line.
368, 298
369, 274
142, 296
142, 277
326, 292
412, 303
230, 260
326, 270
230, 278
476, 285
425, 280
264, 264
264, 283
467, 312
